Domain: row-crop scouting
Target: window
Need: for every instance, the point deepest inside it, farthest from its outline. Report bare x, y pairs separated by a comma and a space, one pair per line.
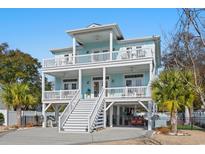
134, 76
74, 86
138, 82
65, 86
100, 78
70, 80
128, 83
134, 80
70, 84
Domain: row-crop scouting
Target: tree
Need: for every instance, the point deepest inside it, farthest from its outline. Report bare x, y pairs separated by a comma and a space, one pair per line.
186, 48
170, 93
17, 96
3, 48
19, 67
1, 119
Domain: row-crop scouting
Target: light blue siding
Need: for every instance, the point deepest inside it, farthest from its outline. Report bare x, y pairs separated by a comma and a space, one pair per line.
116, 80
86, 84
146, 78
87, 48
58, 82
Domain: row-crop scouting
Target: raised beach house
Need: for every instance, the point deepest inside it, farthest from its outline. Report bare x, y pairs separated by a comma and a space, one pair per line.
102, 80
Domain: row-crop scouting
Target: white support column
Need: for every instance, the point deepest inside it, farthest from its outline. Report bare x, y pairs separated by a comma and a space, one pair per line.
111, 44
44, 115
105, 115
74, 49
111, 115
104, 77
150, 72
42, 86
150, 80
149, 127
80, 81
43, 104
57, 113
118, 115
123, 116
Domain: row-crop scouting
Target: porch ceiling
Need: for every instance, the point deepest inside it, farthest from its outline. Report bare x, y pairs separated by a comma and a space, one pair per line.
127, 69
100, 36
99, 71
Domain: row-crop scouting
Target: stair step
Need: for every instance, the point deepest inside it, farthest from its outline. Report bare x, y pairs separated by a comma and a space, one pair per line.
76, 122
86, 104
84, 116
77, 119
75, 127
82, 110
74, 130
88, 100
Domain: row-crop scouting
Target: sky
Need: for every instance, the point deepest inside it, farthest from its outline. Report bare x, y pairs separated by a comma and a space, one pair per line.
35, 31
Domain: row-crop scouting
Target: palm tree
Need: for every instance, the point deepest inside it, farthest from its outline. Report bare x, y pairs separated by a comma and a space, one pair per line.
17, 95
171, 93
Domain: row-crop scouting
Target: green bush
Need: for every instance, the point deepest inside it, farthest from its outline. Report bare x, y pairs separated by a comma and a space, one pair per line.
1, 118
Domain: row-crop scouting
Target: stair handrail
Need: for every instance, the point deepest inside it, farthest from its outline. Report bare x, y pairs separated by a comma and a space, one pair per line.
69, 108
93, 114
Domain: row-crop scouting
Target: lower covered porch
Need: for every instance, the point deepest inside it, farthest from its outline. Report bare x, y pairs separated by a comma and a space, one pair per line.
129, 113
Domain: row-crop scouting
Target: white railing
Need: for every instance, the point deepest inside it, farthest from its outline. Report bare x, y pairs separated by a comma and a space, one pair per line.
98, 57
68, 110
98, 107
92, 58
59, 94
132, 54
57, 62
139, 91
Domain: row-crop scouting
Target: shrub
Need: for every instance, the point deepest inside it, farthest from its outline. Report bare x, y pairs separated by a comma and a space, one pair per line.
15, 126
30, 124
1, 118
163, 130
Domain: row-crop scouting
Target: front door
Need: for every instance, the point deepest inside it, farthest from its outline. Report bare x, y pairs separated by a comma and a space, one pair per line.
97, 84
96, 87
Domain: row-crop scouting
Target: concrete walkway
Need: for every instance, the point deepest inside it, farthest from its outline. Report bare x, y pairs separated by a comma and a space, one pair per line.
42, 136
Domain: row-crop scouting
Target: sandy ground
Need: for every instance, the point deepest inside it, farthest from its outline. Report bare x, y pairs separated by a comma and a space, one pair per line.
196, 138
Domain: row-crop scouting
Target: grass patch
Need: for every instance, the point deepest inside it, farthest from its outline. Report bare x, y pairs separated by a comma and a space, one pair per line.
188, 127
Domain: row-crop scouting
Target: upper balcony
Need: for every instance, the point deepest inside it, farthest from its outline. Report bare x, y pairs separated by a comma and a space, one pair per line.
121, 55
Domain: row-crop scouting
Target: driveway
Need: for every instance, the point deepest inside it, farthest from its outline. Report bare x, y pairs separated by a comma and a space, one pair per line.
42, 136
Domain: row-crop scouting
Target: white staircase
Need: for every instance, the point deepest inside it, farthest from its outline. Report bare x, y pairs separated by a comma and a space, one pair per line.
83, 115
78, 119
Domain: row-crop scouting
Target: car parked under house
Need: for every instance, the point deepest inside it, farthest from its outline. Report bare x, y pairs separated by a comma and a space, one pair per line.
102, 80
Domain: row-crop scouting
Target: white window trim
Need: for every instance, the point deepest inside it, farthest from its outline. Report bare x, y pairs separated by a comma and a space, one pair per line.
143, 78
92, 82
62, 82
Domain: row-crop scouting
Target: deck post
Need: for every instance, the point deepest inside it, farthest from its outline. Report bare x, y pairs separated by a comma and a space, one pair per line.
42, 85
44, 115
111, 115
149, 125
80, 82
111, 44
104, 77
43, 104
74, 49
57, 113
123, 115
105, 115
118, 115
